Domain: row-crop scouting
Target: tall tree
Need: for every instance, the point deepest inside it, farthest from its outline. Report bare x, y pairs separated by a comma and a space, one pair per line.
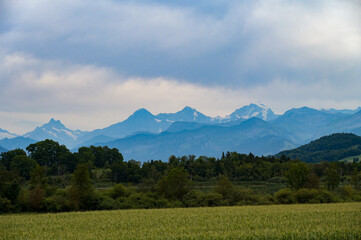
175, 184
49, 153
81, 191
297, 175
38, 187
7, 157
332, 176
23, 165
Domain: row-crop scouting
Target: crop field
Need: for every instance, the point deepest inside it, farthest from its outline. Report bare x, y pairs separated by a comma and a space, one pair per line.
313, 221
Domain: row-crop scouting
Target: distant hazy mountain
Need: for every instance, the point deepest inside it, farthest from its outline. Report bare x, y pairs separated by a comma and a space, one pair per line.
253, 135
187, 114
305, 123
17, 142
190, 128
144, 121
140, 121
3, 149
56, 131
329, 148
92, 141
345, 123
342, 111
6, 134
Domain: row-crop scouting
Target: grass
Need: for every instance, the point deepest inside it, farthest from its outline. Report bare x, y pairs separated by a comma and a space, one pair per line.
350, 159
307, 221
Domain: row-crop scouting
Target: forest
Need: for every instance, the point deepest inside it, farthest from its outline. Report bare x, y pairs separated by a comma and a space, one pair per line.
47, 177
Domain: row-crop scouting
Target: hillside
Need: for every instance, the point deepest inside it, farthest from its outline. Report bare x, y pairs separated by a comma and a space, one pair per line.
329, 148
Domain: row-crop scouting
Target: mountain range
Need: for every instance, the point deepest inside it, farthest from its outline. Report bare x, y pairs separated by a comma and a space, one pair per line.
252, 128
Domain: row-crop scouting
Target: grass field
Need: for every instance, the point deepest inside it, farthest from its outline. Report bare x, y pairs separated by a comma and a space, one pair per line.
350, 159
314, 221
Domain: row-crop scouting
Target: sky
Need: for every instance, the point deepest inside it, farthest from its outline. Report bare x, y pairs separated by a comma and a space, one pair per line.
93, 63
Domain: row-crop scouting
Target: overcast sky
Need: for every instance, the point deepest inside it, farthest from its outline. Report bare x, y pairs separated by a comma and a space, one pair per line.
93, 63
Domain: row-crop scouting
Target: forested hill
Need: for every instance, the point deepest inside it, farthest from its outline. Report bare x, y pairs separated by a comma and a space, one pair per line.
329, 148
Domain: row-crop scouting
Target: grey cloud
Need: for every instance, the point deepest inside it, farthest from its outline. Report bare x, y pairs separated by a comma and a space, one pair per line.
250, 42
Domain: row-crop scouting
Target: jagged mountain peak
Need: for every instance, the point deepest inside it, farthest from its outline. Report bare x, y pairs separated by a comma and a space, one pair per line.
56, 131
54, 123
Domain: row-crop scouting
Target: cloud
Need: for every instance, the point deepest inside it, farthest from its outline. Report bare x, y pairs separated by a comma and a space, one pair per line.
245, 43
92, 63
87, 97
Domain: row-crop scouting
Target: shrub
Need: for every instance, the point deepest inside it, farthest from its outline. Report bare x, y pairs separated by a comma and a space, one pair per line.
119, 190
285, 196
5, 205
194, 199
325, 196
304, 195
138, 200
108, 203
347, 192
214, 199
244, 196
58, 202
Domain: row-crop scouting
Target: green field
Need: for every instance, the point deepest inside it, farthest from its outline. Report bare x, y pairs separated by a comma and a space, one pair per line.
308, 221
350, 159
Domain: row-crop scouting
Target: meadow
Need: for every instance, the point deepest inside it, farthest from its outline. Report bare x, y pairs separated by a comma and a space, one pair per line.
306, 221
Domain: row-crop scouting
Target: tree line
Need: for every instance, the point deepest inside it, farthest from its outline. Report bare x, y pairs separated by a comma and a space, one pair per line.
49, 177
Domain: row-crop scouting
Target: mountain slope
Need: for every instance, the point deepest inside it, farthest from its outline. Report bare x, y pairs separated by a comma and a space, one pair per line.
306, 123
17, 142
329, 148
6, 134
346, 123
182, 126
3, 149
253, 135
56, 131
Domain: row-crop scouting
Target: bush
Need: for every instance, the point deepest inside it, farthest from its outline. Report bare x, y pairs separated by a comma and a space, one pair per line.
214, 199
22, 202
285, 196
137, 200
347, 192
244, 196
5, 205
108, 203
118, 191
325, 196
265, 199
58, 202
304, 195
194, 199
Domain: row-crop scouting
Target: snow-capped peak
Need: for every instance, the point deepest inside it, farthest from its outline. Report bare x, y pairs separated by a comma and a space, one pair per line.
56, 131
252, 110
